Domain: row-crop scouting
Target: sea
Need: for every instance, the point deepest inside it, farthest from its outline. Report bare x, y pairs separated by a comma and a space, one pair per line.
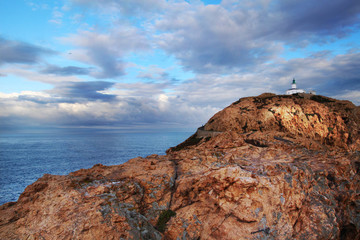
25, 157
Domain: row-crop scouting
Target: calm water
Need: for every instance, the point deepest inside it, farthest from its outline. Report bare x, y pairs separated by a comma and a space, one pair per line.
26, 157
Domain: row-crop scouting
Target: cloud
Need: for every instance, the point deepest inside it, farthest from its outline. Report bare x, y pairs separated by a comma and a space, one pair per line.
37, 6
337, 76
248, 33
56, 17
83, 91
191, 103
66, 92
218, 91
106, 50
213, 45
21, 52
148, 110
140, 89
33, 74
231, 50
124, 7
154, 72
328, 76
351, 95
319, 17
243, 35
66, 71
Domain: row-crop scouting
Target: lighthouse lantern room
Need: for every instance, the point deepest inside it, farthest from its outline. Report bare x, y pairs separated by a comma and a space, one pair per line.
294, 89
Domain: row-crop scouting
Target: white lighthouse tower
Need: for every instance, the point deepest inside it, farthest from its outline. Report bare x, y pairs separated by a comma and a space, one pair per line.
294, 89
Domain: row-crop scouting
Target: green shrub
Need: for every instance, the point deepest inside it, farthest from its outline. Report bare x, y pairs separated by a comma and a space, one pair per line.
320, 99
163, 219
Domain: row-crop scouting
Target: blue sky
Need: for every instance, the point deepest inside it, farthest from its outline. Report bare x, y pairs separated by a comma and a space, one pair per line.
167, 64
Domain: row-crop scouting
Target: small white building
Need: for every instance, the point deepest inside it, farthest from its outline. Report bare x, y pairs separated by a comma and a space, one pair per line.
294, 89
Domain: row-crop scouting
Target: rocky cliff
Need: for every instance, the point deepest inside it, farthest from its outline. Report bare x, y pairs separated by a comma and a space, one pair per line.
266, 167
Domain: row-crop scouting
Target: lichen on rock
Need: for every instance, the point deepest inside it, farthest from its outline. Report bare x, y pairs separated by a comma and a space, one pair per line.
278, 167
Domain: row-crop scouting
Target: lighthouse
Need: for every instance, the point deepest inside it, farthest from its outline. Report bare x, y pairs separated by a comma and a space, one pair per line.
294, 89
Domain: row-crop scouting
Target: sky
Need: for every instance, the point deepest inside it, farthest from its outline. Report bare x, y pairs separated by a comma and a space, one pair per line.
158, 64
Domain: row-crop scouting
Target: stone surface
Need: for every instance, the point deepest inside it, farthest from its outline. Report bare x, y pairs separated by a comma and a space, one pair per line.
278, 167
99, 203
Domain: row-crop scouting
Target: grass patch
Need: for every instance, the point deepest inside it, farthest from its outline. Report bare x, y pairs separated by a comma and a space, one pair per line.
163, 219
320, 99
256, 143
193, 140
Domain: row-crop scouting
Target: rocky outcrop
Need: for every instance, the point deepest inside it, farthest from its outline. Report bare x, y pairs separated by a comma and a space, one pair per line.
278, 167
99, 203
317, 118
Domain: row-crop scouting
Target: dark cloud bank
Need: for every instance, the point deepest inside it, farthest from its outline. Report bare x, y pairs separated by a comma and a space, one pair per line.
21, 52
66, 71
83, 91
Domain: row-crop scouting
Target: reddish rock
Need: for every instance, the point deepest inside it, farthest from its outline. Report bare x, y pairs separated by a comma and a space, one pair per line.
267, 167
331, 122
99, 203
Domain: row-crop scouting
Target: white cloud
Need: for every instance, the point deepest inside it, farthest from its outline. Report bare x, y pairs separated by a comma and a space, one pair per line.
57, 16
125, 111
31, 74
351, 95
124, 7
232, 50
106, 50
234, 37
192, 102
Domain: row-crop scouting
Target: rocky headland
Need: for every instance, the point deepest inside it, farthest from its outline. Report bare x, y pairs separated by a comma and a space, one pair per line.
266, 167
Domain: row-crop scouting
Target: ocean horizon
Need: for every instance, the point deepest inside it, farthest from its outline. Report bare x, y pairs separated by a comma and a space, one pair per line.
27, 156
